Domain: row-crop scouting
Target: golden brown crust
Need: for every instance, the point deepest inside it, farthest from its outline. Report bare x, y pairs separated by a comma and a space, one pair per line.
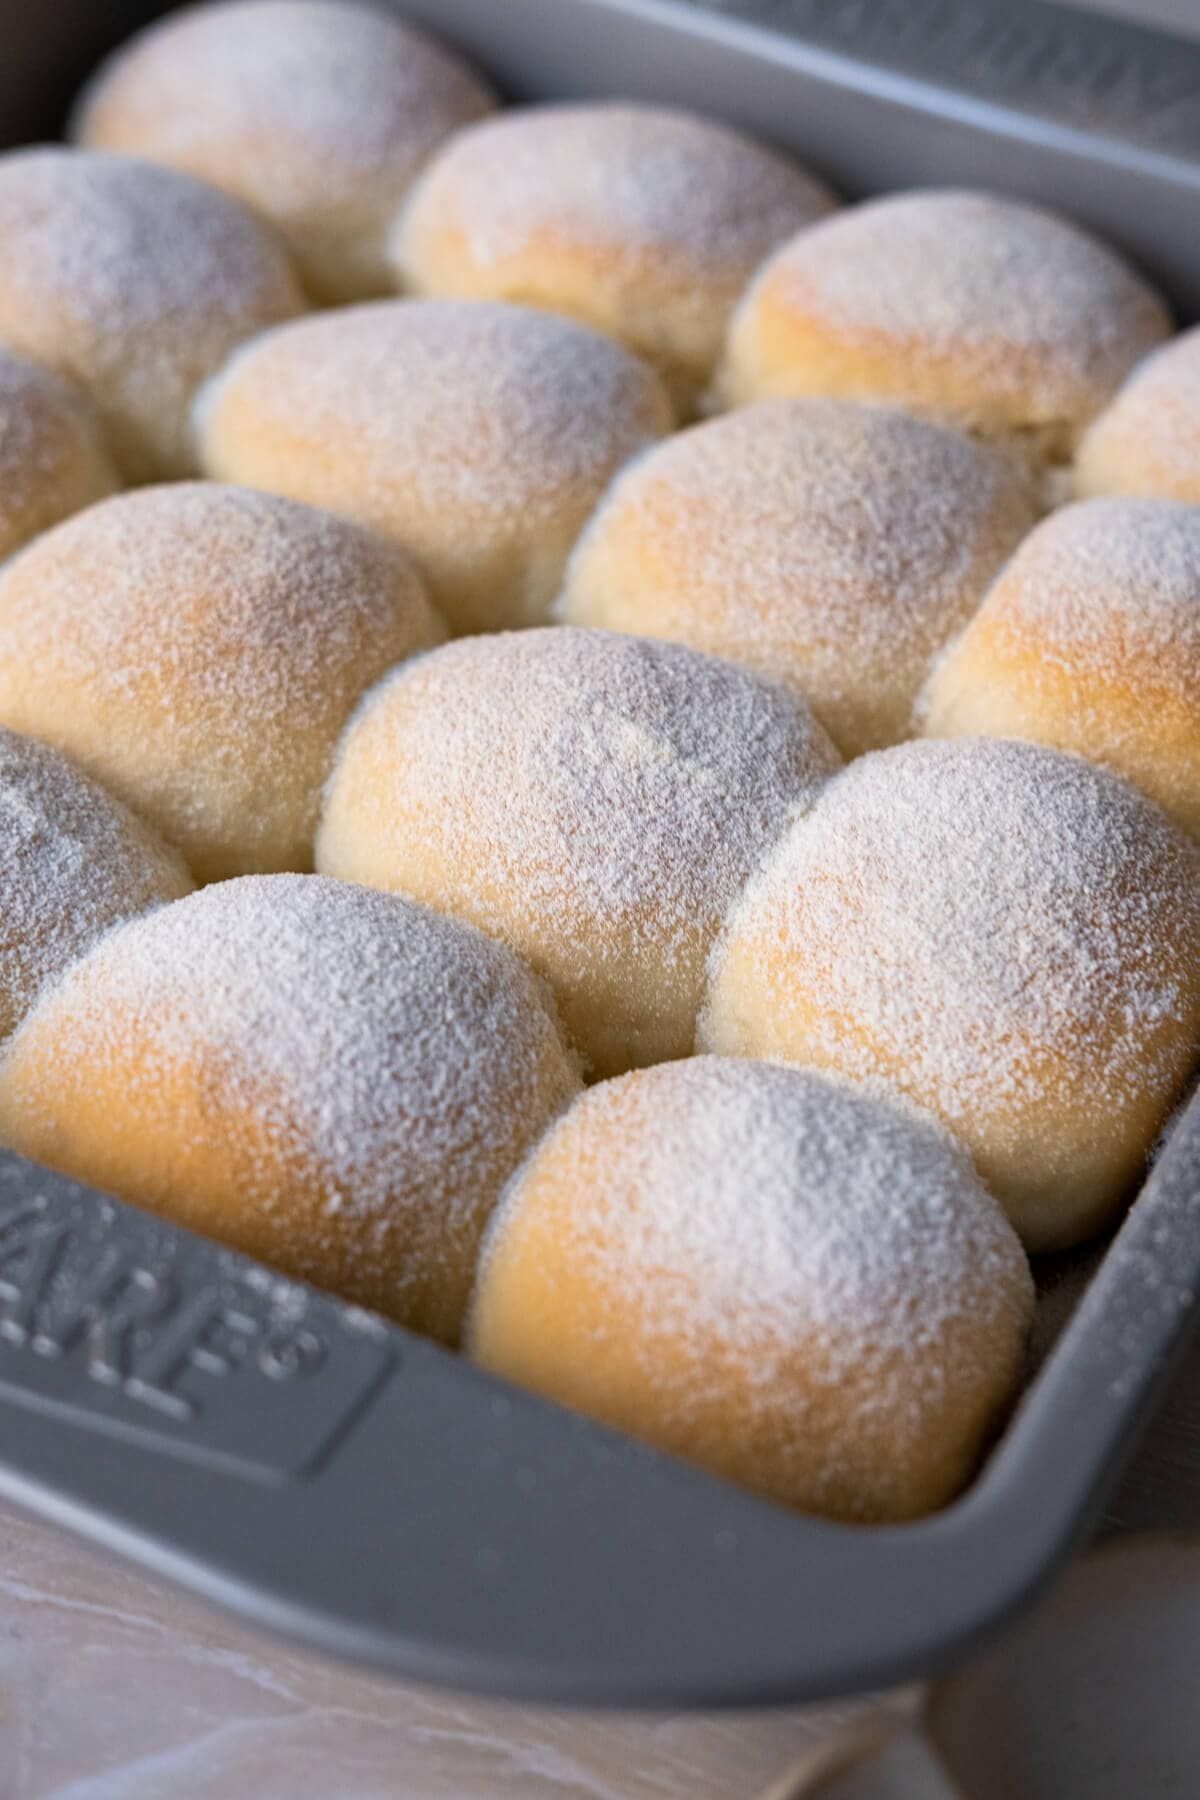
316, 115
53, 460
830, 545
644, 222
966, 307
1090, 641
199, 648
791, 1280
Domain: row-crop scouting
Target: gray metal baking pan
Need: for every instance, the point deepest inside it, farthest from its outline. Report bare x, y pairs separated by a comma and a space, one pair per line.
339, 1480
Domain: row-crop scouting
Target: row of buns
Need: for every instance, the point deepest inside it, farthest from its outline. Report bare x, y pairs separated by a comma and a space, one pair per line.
947, 965
1004, 931
791, 1279
902, 370
830, 544
238, 162
891, 573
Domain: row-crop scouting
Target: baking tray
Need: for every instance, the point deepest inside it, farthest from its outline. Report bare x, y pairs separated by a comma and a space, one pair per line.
342, 1481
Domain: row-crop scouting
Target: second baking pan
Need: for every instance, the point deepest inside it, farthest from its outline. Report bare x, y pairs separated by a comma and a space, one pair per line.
340, 1480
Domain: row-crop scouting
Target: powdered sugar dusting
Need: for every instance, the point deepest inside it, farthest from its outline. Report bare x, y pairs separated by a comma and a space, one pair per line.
645, 221
1148, 442
467, 430
987, 923
595, 799
832, 544
757, 1202
634, 180
318, 114
135, 280
51, 457
351, 87
396, 1063
199, 647
1108, 587
1046, 318
73, 861
793, 1278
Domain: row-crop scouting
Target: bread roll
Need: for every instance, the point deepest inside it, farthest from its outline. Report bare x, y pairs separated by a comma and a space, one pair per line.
1005, 933
73, 861
594, 800
1148, 440
643, 221
776, 1273
1090, 640
981, 311
317, 115
199, 649
52, 457
136, 282
827, 544
334, 1081
479, 437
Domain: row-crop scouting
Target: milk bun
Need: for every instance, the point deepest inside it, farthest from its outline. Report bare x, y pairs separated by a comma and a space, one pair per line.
479, 436
794, 1281
199, 648
135, 282
643, 221
820, 542
595, 800
335, 1081
1090, 640
986, 312
317, 115
1003, 931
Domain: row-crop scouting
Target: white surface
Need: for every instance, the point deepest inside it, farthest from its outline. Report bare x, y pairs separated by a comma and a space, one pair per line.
113, 1687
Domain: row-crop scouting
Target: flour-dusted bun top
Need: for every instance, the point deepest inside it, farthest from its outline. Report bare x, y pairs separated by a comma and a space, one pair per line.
73, 861
478, 436
1148, 441
594, 799
1090, 640
335, 1080
982, 310
1005, 932
798, 1281
199, 648
53, 459
821, 542
316, 114
645, 221
137, 282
